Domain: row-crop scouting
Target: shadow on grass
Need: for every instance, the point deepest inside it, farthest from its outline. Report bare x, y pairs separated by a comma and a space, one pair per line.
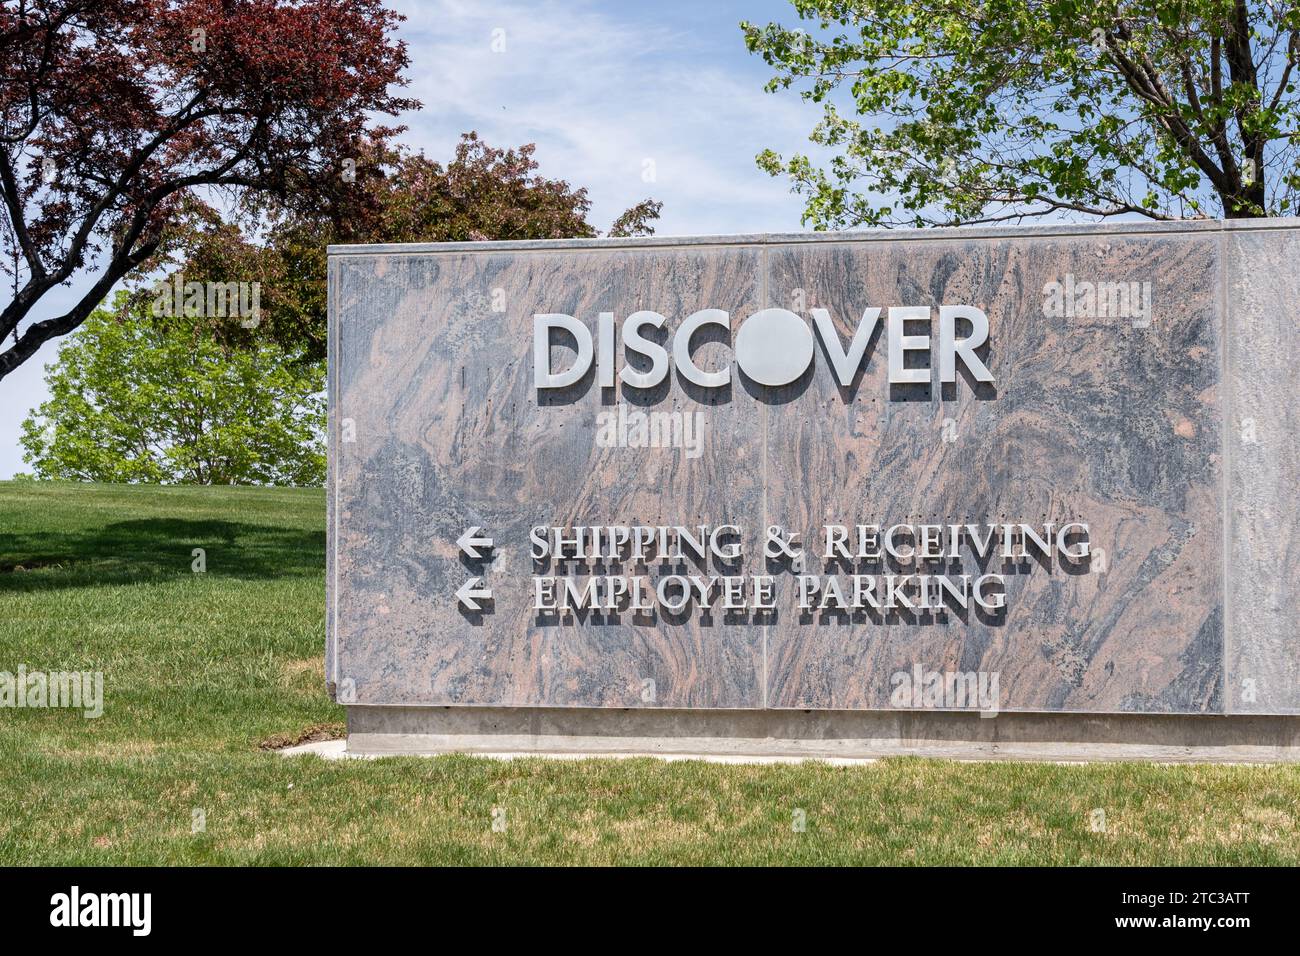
156, 548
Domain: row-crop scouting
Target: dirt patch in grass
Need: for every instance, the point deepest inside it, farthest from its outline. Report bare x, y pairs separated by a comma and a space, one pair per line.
31, 564
308, 735
295, 671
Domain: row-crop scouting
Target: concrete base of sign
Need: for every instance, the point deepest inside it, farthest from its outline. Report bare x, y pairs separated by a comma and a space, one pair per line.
337, 750
379, 731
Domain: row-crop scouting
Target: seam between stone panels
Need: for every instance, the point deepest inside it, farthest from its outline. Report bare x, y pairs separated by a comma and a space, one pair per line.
332, 379
765, 261
1226, 415
330, 461
333, 327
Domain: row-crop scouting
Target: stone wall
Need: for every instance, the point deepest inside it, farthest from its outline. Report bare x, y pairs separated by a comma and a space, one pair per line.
1161, 415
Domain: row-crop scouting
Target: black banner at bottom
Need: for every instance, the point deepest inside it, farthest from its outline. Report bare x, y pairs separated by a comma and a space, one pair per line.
336, 905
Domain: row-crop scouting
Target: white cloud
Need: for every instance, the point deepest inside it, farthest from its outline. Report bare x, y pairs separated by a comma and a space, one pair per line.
601, 94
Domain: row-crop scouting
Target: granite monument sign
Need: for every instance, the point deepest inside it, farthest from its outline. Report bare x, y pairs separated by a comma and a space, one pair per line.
1004, 471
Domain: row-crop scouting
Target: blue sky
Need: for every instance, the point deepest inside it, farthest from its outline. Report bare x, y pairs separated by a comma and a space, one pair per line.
610, 93
630, 100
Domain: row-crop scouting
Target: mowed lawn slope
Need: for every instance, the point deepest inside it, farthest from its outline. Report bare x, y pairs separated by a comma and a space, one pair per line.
201, 669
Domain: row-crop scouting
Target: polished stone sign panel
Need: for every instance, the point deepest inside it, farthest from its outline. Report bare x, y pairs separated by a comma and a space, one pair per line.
813, 472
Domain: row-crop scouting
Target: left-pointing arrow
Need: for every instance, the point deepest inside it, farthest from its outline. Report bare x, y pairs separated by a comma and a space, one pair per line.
473, 591
472, 540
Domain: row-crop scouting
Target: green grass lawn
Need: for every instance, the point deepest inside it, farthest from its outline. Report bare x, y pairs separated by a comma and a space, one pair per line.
202, 668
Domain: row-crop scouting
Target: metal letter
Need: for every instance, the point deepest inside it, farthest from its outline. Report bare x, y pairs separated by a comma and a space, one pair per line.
542, 325
633, 341
900, 343
950, 347
846, 364
682, 348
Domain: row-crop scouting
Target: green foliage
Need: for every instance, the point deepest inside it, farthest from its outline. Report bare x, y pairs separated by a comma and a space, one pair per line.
137, 399
959, 111
637, 221
392, 195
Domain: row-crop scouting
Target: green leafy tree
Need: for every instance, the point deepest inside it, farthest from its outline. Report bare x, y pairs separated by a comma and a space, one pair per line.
115, 115
961, 111
391, 195
135, 398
